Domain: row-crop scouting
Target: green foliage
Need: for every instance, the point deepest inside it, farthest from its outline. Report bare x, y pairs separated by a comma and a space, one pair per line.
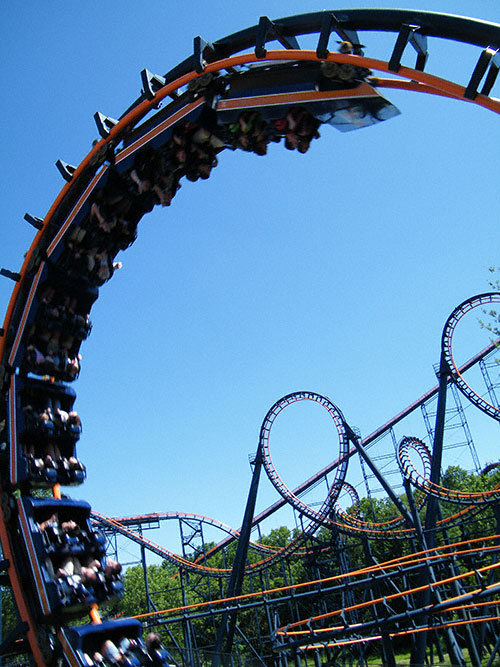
328, 553
458, 479
492, 323
9, 613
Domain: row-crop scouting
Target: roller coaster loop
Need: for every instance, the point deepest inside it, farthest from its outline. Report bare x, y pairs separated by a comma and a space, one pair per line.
479, 301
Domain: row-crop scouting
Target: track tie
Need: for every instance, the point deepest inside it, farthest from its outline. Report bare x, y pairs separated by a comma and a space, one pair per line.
268, 29
36, 222
331, 23
151, 83
200, 49
489, 56
105, 123
66, 170
16, 277
409, 34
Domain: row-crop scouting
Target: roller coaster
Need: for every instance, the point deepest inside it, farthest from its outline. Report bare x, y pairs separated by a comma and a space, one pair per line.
235, 94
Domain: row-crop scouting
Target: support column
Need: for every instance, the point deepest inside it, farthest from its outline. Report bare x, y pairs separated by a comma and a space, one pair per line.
225, 635
431, 515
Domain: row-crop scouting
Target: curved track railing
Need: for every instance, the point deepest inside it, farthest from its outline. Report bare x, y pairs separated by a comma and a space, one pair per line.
479, 301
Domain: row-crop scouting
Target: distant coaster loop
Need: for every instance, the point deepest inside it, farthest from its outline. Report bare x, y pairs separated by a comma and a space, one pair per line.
321, 516
448, 356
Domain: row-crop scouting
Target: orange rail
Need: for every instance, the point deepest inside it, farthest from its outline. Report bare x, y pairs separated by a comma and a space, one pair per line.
418, 81
410, 559
428, 84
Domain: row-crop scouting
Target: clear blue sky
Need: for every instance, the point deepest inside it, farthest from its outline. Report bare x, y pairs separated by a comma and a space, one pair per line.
332, 272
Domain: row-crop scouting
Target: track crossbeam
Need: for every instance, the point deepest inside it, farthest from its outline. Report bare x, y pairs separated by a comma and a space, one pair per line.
409, 34
490, 57
268, 30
